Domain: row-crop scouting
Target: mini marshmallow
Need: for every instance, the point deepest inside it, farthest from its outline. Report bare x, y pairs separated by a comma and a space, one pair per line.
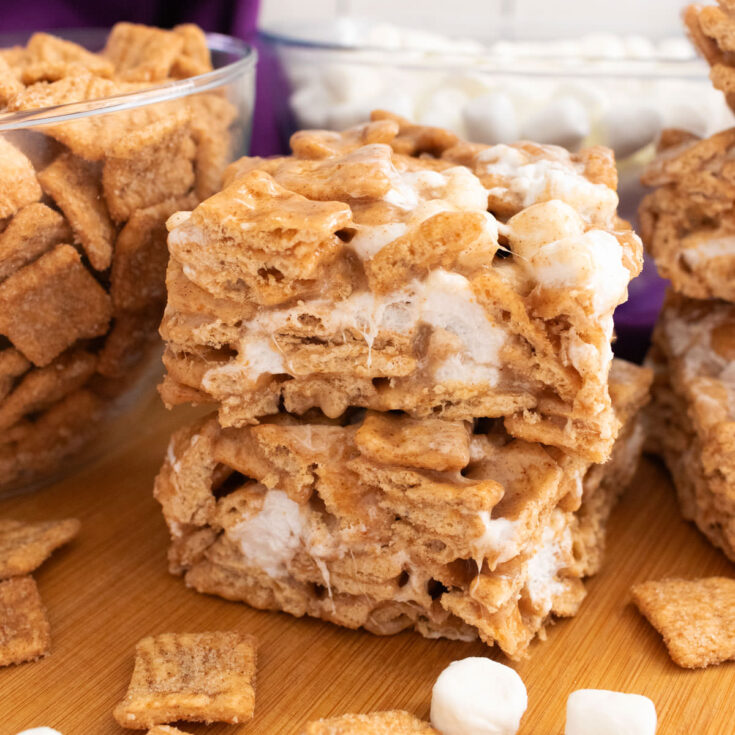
40, 731
491, 118
564, 121
628, 128
351, 83
602, 712
310, 106
478, 696
541, 224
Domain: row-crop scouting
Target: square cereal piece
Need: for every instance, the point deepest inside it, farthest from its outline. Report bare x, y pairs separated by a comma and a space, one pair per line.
138, 277
194, 57
40, 388
433, 444
51, 58
48, 305
12, 366
395, 722
74, 184
25, 634
695, 617
141, 53
18, 183
198, 677
25, 546
149, 165
34, 230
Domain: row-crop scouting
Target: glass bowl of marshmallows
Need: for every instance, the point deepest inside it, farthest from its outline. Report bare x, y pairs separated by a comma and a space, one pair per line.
599, 88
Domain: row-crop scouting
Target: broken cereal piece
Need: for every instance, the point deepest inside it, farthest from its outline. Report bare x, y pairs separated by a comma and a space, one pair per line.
34, 230
695, 617
395, 722
18, 183
74, 184
165, 730
25, 634
48, 305
198, 677
25, 546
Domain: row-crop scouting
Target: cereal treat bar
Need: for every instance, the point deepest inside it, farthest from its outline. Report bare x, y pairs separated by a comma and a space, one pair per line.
692, 413
83, 206
388, 522
712, 30
688, 221
394, 267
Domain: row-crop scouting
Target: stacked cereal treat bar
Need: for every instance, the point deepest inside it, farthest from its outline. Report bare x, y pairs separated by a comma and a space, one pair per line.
393, 267
407, 339
82, 235
688, 225
692, 414
389, 522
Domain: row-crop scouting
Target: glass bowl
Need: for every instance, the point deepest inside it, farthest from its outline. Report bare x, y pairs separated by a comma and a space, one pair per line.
618, 91
84, 196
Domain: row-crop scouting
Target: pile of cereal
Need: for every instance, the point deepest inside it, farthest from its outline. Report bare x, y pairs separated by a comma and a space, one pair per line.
82, 236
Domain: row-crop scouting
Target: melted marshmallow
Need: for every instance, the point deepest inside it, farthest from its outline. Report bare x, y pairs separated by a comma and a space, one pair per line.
269, 539
547, 179
593, 261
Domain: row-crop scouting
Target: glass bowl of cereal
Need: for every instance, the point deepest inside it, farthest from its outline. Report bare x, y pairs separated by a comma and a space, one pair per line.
103, 136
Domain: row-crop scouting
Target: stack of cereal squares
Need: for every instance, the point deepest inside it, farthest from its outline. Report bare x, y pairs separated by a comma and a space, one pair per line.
82, 238
688, 224
419, 420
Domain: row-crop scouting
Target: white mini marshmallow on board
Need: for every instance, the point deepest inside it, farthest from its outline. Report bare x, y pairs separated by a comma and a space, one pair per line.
40, 731
602, 712
478, 696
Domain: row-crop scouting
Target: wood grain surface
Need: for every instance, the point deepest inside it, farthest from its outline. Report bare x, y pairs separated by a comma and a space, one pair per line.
110, 587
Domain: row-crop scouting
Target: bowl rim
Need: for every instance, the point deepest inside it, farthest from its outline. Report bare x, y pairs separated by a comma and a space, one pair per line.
59, 114
286, 33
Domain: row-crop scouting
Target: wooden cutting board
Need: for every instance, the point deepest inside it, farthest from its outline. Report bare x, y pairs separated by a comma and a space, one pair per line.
110, 588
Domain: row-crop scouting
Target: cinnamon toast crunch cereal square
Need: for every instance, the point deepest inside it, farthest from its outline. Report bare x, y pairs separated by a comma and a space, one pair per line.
198, 677
48, 305
34, 230
74, 184
695, 617
25, 634
25, 546
149, 165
